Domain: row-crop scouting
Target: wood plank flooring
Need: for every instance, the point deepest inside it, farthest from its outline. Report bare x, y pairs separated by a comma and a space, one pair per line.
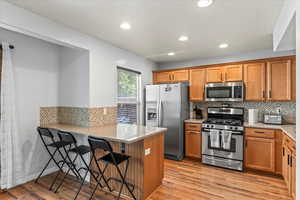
186, 180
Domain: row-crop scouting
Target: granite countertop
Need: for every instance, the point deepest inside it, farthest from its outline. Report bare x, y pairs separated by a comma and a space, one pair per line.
195, 121
124, 133
289, 129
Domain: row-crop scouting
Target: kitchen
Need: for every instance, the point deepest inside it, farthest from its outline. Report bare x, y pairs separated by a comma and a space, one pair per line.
216, 122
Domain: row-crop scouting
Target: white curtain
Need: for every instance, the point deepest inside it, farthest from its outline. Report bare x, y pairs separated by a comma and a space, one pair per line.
11, 156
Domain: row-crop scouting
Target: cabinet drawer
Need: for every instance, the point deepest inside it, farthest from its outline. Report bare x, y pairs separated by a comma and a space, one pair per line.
261, 133
192, 127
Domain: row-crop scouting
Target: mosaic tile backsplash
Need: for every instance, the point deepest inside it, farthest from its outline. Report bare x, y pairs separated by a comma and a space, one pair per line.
87, 117
288, 109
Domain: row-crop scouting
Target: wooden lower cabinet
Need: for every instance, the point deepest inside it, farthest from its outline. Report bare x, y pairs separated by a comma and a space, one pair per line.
193, 140
289, 165
260, 154
293, 176
193, 144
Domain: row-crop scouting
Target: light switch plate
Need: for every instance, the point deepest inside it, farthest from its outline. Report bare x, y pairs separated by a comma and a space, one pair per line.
147, 151
104, 111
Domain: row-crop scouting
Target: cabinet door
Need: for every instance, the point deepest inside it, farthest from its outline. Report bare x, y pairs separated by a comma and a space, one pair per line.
293, 176
254, 78
180, 75
278, 152
279, 80
233, 73
260, 154
197, 83
285, 164
214, 74
193, 144
163, 77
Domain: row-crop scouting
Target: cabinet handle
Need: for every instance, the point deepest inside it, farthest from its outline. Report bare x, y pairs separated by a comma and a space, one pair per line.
283, 151
263, 94
288, 159
173, 77
221, 76
291, 161
225, 76
246, 143
259, 132
270, 94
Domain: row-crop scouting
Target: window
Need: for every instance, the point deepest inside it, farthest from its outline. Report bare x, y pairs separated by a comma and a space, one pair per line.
129, 96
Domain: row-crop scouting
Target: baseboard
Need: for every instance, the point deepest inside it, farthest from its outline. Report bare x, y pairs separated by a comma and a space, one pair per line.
46, 172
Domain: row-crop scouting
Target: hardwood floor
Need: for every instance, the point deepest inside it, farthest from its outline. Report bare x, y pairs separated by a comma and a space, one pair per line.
187, 180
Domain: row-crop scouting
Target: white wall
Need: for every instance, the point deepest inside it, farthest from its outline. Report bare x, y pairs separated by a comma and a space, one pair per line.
36, 64
103, 56
74, 77
225, 59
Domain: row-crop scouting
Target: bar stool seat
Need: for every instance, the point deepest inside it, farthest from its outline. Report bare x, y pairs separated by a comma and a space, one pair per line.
82, 149
59, 144
119, 158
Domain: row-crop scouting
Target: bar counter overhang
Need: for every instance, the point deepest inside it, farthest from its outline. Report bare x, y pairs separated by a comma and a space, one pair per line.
145, 145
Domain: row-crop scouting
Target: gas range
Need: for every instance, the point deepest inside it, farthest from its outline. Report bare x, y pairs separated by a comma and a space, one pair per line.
223, 138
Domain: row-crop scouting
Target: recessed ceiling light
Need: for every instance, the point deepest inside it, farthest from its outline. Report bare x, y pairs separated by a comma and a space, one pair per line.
204, 3
125, 26
171, 54
223, 46
183, 38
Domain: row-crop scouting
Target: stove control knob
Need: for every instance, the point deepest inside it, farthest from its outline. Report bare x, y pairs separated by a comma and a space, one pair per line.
236, 128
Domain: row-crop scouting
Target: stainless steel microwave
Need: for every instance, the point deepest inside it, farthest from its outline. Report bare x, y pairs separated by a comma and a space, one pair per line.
229, 91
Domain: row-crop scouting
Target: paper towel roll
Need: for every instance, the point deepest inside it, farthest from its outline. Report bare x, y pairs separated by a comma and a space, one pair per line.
252, 116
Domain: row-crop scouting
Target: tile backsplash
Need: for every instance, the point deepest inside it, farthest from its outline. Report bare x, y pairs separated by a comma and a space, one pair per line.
288, 109
87, 117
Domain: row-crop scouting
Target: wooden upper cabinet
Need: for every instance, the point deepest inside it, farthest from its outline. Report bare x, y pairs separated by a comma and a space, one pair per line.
214, 74
254, 79
170, 76
197, 83
233, 73
224, 74
162, 77
279, 80
180, 75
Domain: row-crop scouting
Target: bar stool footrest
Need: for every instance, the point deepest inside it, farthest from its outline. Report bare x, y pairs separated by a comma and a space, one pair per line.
131, 186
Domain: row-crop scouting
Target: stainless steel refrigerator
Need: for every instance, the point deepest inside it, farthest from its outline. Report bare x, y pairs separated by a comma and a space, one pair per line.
167, 105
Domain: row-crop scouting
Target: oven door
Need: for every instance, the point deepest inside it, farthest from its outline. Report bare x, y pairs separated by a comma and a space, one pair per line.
236, 151
231, 91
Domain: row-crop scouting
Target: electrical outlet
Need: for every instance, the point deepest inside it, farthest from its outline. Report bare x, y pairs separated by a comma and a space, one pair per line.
278, 110
147, 151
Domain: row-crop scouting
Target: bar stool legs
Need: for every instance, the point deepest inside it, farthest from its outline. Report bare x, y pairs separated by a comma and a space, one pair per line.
124, 181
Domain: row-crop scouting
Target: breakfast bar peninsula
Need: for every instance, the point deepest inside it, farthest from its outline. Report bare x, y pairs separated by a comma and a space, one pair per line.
144, 145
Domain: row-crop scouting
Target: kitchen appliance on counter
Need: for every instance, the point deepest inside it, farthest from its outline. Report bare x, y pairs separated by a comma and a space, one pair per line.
223, 138
197, 113
273, 119
252, 116
167, 106
229, 91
